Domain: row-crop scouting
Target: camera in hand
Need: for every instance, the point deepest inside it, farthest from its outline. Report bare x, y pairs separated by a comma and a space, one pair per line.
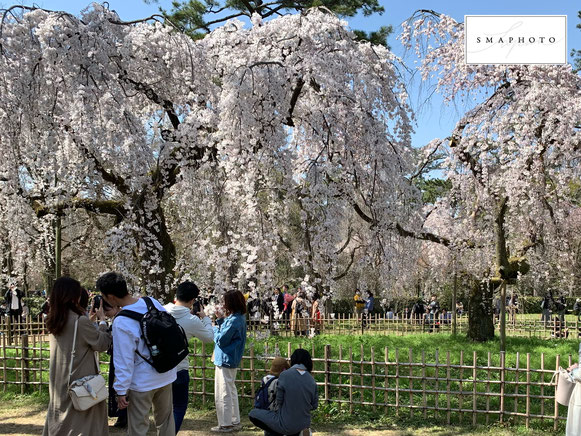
98, 300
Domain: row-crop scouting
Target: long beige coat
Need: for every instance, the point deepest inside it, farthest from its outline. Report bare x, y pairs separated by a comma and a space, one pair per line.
299, 321
62, 419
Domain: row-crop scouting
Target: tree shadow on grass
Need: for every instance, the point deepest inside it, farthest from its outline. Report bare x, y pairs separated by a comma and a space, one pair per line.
21, 429
20, 415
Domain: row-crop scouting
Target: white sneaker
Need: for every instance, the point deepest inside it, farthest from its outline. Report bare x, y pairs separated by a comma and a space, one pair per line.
222, 429
236, 425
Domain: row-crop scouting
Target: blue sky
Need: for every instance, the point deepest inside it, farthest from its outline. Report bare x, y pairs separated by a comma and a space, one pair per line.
434, 119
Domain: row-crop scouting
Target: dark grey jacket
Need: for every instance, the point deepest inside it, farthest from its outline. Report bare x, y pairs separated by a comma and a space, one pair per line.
296, 396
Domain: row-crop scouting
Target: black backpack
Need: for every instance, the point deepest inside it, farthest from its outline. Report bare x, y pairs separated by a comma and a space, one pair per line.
165, 338
261, 400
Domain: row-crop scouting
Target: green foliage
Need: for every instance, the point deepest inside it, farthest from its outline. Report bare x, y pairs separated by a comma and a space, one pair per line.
197, 17
34, 304
433, 189
530, 304
378, 37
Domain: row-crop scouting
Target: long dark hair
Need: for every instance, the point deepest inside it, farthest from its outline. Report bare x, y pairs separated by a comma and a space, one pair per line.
65, 296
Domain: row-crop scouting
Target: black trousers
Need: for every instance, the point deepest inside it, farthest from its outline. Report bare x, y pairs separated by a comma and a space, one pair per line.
258, 423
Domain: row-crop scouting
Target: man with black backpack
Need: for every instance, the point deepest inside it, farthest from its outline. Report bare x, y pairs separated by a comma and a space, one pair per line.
146, 343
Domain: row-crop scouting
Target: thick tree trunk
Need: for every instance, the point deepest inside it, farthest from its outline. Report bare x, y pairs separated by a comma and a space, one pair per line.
481, 312
157, 254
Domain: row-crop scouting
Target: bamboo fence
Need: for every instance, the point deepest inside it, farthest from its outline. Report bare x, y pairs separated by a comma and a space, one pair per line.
350, 324
462, 388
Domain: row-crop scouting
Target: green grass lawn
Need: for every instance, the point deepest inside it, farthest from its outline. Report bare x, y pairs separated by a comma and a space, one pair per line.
353, 376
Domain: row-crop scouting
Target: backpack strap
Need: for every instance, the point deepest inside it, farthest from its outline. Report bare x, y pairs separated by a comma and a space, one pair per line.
138, 317
131, 314
149, 303
266, 387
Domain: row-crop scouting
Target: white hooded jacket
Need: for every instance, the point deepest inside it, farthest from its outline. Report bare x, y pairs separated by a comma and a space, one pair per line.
192, 325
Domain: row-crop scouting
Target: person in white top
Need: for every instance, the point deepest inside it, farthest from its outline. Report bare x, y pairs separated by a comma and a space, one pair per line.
137, 384
13, 299
199, 326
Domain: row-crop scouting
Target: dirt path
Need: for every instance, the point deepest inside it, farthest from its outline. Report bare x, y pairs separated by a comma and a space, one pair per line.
28, 420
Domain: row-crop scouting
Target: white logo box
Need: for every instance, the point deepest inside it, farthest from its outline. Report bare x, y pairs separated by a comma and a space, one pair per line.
515, 39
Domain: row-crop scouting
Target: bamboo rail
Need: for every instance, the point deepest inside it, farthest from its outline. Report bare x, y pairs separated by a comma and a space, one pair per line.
458, 389
349, 324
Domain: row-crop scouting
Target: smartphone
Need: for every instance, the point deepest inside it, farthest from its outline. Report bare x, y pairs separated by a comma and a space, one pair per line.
96, 302
196, 307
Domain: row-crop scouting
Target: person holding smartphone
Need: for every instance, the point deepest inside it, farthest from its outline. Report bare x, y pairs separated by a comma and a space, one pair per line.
229, 339
195, 325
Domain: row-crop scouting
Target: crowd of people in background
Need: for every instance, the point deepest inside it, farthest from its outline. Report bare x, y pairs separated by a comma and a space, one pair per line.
130, 328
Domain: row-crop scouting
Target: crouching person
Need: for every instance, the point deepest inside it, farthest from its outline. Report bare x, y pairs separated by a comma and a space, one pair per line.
296, 396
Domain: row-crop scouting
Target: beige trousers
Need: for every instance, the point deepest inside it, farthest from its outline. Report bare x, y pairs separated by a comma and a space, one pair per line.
140, 404
226, 396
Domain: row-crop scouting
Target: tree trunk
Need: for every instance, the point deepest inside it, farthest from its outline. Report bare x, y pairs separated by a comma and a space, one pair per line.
157, 254
480, 312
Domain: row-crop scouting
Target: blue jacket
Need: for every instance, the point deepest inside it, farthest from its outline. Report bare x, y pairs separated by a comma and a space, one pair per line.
369, 304
229, 340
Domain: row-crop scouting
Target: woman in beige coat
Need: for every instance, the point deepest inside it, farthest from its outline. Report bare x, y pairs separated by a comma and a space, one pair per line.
65, 308
299, 315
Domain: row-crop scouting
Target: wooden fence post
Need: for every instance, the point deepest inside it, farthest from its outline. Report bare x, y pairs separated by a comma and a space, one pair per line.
4, 372
252, 377
397, 382
9, 328
24, 364
528, 405
424, 399
448, 386
350, 380
204, 374
517, 381
556, 415
474, 378
502, 365
542, 380
361, 372
461, 385
386, 382
327, 372
437, 384
340, 375
373, 377
488, 365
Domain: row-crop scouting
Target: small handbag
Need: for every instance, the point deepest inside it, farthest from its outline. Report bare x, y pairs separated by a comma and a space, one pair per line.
87, 391
564, 388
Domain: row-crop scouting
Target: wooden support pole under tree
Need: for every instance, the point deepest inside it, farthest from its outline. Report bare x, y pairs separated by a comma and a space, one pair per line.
57, 246
454, 298
503, 316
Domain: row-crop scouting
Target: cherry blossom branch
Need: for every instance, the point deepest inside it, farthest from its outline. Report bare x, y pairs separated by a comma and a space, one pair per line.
110, 207
349, 265
118, 181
